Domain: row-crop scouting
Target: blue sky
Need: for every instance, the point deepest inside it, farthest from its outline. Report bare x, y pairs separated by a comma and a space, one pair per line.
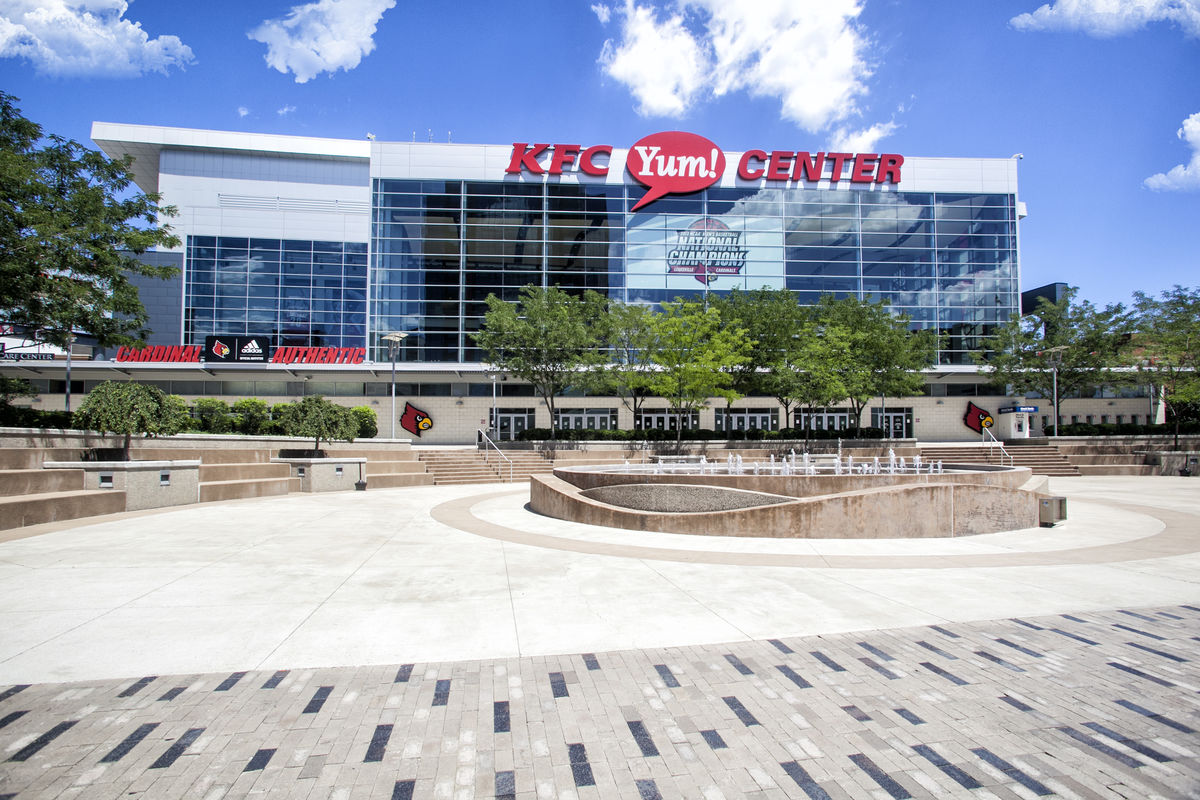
1101, 96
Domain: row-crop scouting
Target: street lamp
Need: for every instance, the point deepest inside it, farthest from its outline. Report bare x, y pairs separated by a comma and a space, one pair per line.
394, 339
1055, 359
70, 346
495, 421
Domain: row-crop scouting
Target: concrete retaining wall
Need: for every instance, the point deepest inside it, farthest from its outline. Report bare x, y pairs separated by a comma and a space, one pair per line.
981, 502
145, 484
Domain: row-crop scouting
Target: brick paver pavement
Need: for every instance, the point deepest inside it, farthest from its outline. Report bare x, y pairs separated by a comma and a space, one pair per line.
1089, 705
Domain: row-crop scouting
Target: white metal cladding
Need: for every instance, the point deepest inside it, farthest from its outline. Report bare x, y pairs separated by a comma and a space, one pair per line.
448, 161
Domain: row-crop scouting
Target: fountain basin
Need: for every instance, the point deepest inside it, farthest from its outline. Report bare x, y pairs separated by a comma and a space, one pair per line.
962, 500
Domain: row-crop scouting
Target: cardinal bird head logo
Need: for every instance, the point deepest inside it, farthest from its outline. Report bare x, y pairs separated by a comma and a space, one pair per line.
414, 420
976, 418
220, 349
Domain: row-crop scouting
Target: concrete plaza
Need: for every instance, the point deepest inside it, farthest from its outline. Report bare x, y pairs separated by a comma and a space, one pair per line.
446, 642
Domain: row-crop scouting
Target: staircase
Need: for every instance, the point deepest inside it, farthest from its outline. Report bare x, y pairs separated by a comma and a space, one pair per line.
1042, 459
1108, 459
459, 466
30, 495
231, 474
388, 469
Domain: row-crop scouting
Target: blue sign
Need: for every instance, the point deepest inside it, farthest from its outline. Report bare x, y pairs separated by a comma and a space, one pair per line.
1019, 410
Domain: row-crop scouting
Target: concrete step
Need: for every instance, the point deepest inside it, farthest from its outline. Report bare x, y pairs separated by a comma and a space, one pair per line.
215, 473
394, 467
1080, 459
394, 480
32, 457
34, 509
208, 455
1117, 469
240, 489
15, 482
399, 454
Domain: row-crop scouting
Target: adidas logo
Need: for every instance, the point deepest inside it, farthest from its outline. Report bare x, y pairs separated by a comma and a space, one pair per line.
251, 348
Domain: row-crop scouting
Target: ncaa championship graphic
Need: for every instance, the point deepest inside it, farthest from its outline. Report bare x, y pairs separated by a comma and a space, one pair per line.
707, 249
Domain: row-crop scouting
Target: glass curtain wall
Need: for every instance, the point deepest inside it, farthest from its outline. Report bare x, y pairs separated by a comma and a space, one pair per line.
298, 292
948, 260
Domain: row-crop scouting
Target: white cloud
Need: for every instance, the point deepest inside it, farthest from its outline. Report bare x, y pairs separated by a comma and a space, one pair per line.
661, 63
1104, 18
285, 110
812, 56
85, 37
602, 12
243, 111
862, 141
1182, 177
324, 36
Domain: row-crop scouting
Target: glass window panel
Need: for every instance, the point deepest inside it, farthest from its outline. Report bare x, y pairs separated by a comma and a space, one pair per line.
821, 268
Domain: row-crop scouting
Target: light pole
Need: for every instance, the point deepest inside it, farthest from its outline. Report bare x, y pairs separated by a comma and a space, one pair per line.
1055, 358
495, 421
70, 344
394, 339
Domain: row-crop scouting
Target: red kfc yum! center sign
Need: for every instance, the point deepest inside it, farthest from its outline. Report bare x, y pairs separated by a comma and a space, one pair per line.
676, 162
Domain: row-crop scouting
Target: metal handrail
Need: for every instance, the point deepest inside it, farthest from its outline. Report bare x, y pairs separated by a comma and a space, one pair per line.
987, 433
486, 458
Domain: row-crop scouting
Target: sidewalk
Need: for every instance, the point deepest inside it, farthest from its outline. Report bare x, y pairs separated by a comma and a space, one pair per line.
375, 645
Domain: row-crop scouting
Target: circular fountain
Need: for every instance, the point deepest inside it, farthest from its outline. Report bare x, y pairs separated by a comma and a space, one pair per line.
795, 495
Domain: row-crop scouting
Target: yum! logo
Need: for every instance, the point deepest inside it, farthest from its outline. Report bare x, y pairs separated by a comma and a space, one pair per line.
675, 162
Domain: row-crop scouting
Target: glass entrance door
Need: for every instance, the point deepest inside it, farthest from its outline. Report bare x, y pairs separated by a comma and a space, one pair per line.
896, 423
510, 422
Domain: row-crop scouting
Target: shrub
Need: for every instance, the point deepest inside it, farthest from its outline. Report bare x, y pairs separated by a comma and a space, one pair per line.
129, 408
316, 418
250, 416
368, 424
213, 415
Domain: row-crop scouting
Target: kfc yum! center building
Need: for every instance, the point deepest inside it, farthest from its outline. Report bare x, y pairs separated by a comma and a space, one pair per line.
300, 255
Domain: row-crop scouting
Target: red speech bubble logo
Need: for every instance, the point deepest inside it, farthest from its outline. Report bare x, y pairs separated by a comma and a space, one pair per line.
674, 162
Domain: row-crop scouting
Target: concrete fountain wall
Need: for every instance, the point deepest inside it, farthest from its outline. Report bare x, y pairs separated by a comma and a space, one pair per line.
961, 501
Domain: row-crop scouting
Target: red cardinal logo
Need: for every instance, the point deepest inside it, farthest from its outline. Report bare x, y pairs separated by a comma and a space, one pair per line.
220, 349
976, 418
414, 420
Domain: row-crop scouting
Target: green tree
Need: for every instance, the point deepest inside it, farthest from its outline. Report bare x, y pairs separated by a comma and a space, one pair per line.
368, 422
772, 320
1165, 348
129, 408
251, 416
549, 339
213, 415
885, 357
316, 418
695, 353
628, 341
69, 236
812, 369
1060, 349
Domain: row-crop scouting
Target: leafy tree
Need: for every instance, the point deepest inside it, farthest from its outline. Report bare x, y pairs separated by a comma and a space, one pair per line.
1072, 345
316, 418
695, 353
213, 415
811, 371
368, 423
69, 234
12, 388
772, 320
628, 336
548, 338
250, 416
884, 358
129, 408
1165, 348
